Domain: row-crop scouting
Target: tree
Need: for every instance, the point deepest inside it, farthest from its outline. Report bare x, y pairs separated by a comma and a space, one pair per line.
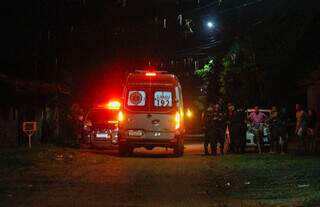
210, 74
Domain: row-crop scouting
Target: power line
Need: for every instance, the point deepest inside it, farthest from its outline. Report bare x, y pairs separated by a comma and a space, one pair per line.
240, 6
204, 7
218, 2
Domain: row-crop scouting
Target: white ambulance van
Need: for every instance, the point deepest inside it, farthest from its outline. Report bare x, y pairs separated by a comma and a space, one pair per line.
152, 113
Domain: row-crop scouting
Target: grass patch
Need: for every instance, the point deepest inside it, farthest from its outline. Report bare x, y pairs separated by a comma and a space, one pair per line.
275, 177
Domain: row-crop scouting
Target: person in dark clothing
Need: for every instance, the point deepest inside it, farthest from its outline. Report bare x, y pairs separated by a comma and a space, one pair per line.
278, 128
237, 129
312, 123
301, 127
218, 129
208, 119
242, 117
271, 121
312, 120
282, 133
233, 129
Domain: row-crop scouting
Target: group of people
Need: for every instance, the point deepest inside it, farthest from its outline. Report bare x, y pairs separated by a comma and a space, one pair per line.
235, 122
216, 123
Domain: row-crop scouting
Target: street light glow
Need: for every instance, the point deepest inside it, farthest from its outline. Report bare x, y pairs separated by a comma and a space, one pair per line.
210, 24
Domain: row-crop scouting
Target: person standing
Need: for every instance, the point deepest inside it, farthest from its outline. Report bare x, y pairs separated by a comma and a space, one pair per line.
235, 121
208, 138
282, 134
257, 119
301, 126
242, 119
271, 121
312, 123
218, 129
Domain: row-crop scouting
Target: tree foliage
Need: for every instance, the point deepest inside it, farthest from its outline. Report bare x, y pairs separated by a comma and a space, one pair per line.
205, 71
265, 62
235, 77
209, 73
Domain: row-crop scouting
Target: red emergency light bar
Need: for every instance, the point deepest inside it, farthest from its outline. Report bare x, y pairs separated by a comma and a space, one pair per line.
114, 105
111, 105
152, 72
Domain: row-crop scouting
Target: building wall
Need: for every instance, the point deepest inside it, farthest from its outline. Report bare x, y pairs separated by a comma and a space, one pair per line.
8, 127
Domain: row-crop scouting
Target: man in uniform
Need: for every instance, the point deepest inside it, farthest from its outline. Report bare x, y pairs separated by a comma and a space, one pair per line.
219, 122
208, 119
242, 117
237, 128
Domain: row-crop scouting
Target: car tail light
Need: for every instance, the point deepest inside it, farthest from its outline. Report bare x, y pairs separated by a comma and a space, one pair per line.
151, 74
120, 116
177, 120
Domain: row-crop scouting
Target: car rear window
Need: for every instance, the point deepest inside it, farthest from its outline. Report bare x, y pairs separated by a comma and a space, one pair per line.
102, 115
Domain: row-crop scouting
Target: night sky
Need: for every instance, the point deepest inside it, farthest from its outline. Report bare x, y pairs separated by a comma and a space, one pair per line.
90, 44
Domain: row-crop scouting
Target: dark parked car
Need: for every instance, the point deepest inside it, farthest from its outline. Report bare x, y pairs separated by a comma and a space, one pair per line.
101, 125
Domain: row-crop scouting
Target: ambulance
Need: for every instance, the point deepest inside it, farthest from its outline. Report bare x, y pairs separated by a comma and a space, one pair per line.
152, 113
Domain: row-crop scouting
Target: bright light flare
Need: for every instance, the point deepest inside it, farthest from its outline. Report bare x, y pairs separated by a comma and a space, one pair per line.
189, 113
177, 120
120, 116
151, 74
113, 105
112, 122
210, 25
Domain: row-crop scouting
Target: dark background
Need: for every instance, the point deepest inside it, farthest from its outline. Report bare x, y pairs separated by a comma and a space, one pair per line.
90, 45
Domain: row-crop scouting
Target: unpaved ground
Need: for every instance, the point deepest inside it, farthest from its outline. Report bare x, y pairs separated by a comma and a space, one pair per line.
72, 177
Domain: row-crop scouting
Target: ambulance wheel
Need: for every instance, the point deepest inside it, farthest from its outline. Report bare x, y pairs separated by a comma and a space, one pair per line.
178, 149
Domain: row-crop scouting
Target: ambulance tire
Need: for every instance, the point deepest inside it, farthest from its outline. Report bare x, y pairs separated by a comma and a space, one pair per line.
178, 149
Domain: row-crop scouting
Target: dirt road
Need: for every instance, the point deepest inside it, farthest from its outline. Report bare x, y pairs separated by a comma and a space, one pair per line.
72, 177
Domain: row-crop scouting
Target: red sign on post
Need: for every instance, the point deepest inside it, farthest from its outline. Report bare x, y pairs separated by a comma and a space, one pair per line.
29, 128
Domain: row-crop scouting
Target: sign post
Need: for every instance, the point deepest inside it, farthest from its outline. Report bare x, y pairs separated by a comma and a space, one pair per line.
29, 128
